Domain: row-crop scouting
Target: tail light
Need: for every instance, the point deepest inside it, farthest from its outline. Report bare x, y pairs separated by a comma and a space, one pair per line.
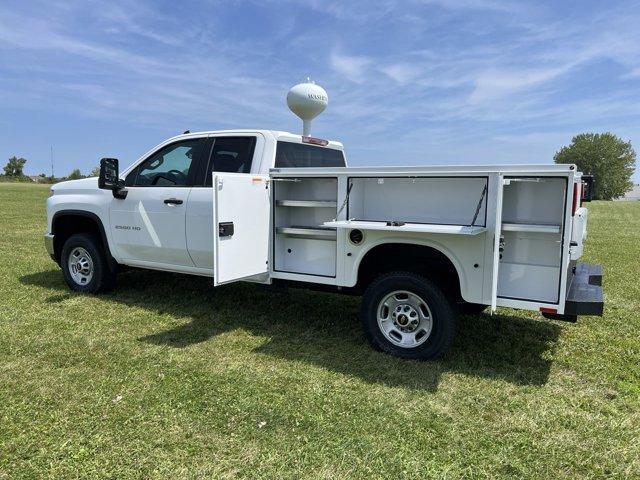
576, 198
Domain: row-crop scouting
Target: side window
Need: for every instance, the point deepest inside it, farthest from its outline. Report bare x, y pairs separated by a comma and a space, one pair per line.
230, 155
169, 167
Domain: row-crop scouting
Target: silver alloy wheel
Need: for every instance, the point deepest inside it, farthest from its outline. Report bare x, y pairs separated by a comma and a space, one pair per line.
404, 319
80, 266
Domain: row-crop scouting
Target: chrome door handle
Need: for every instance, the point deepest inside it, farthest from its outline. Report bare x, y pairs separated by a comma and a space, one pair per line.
173, 201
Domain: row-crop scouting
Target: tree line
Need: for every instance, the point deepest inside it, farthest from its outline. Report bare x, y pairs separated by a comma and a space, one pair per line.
14, 172
606, 156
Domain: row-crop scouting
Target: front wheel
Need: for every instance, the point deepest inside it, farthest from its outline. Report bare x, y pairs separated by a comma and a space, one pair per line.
406, 315
85, 266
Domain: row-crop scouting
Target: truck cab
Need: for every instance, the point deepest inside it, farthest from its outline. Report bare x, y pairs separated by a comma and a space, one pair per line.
163, 218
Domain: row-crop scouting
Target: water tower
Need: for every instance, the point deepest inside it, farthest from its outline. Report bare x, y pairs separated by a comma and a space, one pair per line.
307, 100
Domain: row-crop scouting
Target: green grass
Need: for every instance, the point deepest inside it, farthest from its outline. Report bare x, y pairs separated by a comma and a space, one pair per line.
168, 378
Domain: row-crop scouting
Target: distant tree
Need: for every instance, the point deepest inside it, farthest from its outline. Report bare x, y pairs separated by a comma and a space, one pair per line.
95, 172
14, 167
75, 175
607, 157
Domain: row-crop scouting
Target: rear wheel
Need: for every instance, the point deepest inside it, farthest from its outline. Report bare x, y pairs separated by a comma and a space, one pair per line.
85, 266
406, 315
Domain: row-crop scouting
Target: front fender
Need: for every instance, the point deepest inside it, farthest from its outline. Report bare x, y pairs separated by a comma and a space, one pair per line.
93, 204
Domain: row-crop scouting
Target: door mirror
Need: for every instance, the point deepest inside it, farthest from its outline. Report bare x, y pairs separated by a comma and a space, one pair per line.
587, 188
109, 178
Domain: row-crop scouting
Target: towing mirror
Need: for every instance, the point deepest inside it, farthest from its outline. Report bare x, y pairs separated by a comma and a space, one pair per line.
109, 178
587, 188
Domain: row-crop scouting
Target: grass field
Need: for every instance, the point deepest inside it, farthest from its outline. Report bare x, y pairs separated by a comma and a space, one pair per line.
168, 378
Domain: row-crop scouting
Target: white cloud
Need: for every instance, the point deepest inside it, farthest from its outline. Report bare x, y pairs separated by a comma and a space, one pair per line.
401, 72
494, 84
352, 67
103, 79
635, 73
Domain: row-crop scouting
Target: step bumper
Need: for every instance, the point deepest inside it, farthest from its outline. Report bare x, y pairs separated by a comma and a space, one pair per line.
585, 295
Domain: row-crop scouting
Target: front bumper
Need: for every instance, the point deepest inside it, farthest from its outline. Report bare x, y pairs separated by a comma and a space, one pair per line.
48, 244
584, 294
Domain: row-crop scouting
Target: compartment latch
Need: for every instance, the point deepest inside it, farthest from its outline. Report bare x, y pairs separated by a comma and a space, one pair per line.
225, 229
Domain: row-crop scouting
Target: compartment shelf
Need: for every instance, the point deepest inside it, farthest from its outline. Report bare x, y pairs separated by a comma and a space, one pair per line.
407, 227
318, 233
530, 227
307, 203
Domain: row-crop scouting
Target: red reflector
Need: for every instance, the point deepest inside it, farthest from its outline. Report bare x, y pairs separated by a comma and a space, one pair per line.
548, 310
315, 141
580, 193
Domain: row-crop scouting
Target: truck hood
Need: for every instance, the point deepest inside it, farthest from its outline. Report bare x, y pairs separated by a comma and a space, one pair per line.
90, 183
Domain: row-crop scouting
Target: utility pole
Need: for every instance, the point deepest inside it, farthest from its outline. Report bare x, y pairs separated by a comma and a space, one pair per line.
52, 162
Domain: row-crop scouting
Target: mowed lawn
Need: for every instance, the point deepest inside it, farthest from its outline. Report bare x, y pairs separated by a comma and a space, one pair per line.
167, 377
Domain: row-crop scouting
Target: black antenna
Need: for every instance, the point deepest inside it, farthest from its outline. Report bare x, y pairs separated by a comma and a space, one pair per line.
186, 131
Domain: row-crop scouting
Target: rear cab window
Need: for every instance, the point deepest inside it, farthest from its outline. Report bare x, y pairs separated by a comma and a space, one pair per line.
292, 155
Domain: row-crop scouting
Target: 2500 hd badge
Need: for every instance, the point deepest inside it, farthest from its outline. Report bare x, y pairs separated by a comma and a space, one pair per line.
126, 227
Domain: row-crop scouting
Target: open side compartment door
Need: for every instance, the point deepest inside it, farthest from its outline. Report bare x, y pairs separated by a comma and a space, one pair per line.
241, 219
530, 246
497, 244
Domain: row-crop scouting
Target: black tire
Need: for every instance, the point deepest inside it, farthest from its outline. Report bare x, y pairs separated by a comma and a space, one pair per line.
443, 315
103, 277
471, 308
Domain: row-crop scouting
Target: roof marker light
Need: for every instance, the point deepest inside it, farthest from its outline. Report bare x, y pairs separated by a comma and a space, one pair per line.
315, 141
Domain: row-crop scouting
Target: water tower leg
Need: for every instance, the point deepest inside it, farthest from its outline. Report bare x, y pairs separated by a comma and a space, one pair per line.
306, 128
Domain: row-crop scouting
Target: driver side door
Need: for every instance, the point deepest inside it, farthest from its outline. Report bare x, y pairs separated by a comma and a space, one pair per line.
148, 226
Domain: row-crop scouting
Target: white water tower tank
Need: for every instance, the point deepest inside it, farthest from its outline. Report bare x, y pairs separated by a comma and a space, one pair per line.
307, 100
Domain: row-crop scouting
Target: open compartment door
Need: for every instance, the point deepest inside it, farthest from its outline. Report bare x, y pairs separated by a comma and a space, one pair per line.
497, 244
534, 247
241, 211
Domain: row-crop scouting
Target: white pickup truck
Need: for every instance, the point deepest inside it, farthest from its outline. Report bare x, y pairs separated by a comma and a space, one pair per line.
420, 244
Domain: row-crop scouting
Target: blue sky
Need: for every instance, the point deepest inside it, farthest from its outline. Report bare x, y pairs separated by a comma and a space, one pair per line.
409, 82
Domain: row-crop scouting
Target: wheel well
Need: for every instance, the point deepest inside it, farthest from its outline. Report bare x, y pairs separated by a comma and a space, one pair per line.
423, 260
66, 224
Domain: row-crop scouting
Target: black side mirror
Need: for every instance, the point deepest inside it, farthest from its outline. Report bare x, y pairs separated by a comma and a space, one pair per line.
587, 188
109, 178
